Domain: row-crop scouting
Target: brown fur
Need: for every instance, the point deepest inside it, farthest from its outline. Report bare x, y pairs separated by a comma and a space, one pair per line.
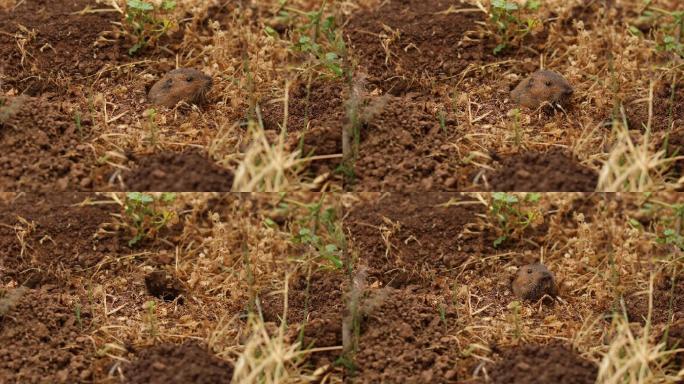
542, 86
186, 84
533, 281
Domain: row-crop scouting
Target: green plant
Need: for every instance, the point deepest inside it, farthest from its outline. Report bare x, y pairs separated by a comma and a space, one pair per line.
514, 306
151, 114
322, 232
151, 307
509, 24
146, 23
147, 214
512, 215
319, 37
77, 312
670, 30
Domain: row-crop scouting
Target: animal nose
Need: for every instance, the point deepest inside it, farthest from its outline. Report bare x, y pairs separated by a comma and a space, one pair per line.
546, 276
568, 91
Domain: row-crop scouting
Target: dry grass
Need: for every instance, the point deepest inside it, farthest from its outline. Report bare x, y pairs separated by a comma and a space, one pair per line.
237, 264
609, 65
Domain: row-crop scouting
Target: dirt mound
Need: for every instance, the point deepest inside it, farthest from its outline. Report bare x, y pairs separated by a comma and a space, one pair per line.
43, 341
405, 340
178, 364
57, 41
317, 122
554, 170
664, 294
421, 235
405, 44
43, 149
668, 108
406, 148
190, 171
538, 364
420, 39
317, 304
48, 237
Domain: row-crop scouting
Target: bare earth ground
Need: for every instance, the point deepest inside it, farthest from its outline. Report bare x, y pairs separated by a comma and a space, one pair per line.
413, 290
431, 98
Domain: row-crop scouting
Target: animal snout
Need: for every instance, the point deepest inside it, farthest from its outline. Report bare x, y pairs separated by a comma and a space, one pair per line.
546, 276
568, 92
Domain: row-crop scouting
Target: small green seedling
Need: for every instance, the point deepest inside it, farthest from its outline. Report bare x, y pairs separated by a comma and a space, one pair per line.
146, 214
320, 38
146, 23
509, 24
515, 306
151, 307
512, 215
321, 230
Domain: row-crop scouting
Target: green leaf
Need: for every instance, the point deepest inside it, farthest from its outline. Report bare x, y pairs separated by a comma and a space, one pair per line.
336, 69
331, 56
135, 48
634, 223
271, 32
168, 197
533, 197
331, 248
335, 260
168, 5
505, 197
499, 48
140, 5
329, 23
499, 240
270, 223
533, 4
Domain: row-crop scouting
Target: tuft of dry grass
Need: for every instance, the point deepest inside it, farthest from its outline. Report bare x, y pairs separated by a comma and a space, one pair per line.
632, 356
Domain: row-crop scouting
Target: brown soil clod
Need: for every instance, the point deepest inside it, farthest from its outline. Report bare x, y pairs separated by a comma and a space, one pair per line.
533, 281
42, 146
178, 172
537, 364
182, 84
43, 341
555, 170
164, 286
178, 364
542, 87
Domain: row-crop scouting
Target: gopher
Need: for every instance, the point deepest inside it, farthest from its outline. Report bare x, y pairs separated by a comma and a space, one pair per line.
533, 281
542, 86
185, 84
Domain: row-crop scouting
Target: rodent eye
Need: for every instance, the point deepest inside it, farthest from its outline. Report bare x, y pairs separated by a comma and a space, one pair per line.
189, 79
529, 270
548, 83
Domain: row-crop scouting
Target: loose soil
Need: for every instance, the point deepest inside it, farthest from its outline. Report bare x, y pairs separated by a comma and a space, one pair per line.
178, 364
404, 44
405, 147
432, 294
315, 120
403, 340
554, 170
43, 149
43, 341
48, 239
177, 172
316, 304
536, 364
59, 44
